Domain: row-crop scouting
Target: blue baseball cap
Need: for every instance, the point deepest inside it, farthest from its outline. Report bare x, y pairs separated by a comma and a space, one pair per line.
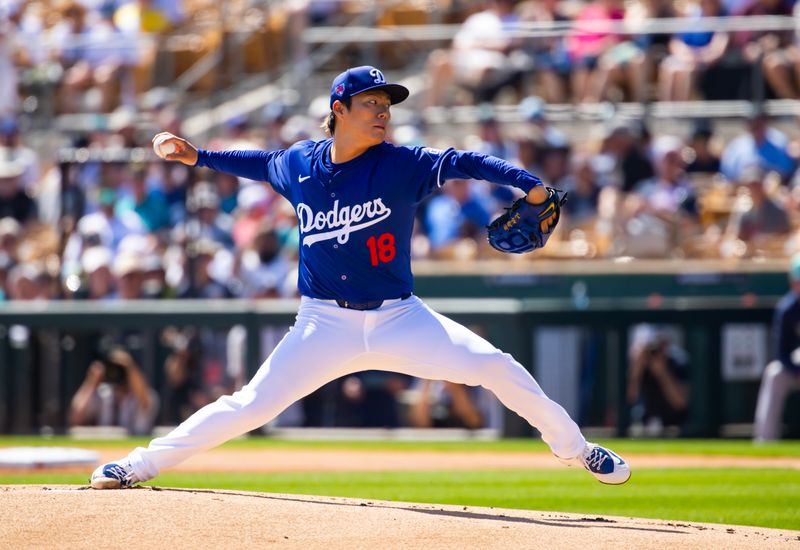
361, 79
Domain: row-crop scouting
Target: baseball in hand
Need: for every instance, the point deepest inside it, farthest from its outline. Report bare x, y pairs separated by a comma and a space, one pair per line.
163, 149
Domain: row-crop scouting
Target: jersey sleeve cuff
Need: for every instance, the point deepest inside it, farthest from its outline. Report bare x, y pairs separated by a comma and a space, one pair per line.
202, 154
528, 183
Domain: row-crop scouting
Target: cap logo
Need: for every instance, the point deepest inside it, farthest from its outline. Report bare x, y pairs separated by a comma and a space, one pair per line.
339, 89
378, 76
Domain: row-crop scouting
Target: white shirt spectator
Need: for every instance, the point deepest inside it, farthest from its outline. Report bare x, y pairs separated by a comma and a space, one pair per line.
259, 278
480, 44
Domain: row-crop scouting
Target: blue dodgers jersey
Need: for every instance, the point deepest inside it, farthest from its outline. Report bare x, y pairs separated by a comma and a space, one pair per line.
356, 218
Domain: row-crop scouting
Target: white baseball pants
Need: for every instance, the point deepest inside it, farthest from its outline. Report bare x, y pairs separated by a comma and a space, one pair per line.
327, 342
777, 383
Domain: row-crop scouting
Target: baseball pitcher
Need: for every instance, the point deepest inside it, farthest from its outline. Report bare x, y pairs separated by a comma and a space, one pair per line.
355, 196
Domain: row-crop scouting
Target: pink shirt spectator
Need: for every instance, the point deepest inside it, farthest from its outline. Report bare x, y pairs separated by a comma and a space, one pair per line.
592, 34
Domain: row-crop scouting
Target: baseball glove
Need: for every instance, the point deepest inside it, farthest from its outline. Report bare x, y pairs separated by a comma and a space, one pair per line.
519, 229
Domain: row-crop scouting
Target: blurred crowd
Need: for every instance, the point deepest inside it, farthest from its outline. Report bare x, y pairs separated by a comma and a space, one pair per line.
80, 224
79, 56
606, 51
92, 228
94, 55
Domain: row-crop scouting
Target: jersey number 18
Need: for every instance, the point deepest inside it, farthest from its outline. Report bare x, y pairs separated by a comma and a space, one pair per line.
381, 249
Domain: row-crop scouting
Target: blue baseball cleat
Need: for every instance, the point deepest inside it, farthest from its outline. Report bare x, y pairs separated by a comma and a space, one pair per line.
114, 475
607, 466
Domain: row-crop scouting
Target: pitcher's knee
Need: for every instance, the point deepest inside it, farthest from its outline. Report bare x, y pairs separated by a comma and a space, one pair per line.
241, 401
250, 408
497, 367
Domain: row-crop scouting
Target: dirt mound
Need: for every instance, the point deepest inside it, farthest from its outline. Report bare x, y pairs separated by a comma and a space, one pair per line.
36, 516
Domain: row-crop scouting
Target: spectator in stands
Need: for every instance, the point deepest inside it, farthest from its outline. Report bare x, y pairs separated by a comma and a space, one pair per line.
96, 266
756, 44
263, 267
115, 393
654, 45
668, 192
274, 116
484, 56
200, 284
584, 193
148, 202
123, 133
625, 146
739, 74
555, 165
440, 404
88, 48
459, 213
196, 371
154, 278
227, 186
238, 134
782, 66
253, 202
175, 181
532, 109
782, 376
27, 281
658, 381
705, 160
600, 57
184, 392
691, 53
661, 211
159, 104
490, 136
761, 145
121, 223
551, 62
14, 201
128, 273
758, 217
528, 145
542, 149
371, 399
101, 228
205, 220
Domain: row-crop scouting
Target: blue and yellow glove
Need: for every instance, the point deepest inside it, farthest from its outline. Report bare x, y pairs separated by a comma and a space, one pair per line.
525, 227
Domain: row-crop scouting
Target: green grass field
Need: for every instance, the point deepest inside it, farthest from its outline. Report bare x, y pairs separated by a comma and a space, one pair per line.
764, 497
708, 447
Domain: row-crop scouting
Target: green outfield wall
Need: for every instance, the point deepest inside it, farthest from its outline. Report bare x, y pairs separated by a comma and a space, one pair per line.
710, 310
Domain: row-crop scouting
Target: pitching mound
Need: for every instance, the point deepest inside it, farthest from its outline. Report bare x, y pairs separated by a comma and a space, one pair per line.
76, 517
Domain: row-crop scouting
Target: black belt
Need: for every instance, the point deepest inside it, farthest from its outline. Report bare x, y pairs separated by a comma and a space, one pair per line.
375, 304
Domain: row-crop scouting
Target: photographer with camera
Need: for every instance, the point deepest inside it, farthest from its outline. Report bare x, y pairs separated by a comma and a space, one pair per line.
658, 388
115, 393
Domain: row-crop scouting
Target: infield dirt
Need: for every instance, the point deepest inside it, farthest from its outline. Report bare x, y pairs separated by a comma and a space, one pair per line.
36, 516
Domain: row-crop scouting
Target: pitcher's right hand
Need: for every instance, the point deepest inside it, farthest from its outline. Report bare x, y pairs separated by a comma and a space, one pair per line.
184, 152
